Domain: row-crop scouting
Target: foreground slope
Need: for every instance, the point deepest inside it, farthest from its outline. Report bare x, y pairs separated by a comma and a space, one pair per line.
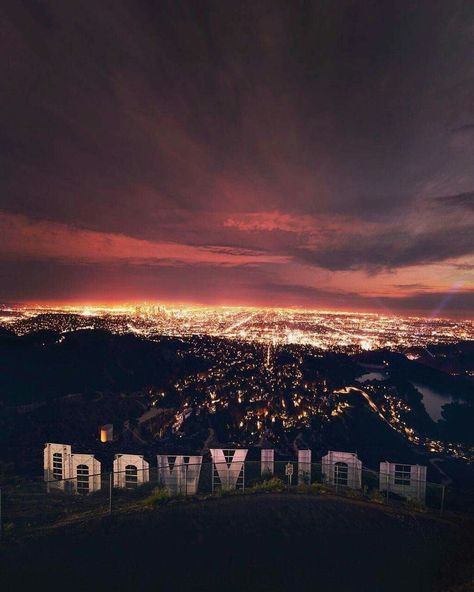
253, 542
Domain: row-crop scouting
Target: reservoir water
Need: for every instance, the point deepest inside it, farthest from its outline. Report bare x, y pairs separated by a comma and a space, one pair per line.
371, 376
432, 400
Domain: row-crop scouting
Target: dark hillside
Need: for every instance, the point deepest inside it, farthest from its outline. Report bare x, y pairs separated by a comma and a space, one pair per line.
271, 542
46, 364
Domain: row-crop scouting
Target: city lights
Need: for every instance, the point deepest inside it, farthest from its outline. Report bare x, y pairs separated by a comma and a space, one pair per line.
319, 329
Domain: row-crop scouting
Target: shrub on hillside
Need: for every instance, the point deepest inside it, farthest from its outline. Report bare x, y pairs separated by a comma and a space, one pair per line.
415, 504
353, 493
376, 496
225, 492
319, 488
273, 484
159, 497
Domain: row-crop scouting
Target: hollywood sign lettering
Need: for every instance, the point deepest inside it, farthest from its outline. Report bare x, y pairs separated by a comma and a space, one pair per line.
180, 474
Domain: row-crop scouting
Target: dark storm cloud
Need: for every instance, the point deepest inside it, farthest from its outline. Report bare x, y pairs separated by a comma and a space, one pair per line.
412, 286
463, 137
463, 200
464, 266
314, 133
392, 249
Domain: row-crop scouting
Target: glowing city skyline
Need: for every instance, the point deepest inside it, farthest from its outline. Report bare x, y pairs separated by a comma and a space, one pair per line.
322, 329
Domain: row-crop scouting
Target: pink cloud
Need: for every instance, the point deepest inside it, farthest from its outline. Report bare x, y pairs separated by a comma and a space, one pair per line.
22, 237
269, 221
320, 227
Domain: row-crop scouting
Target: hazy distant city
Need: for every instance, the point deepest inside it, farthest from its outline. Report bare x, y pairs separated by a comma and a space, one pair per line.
320, 329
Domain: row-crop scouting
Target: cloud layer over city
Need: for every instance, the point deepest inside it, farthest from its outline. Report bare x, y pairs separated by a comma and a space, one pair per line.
315, 154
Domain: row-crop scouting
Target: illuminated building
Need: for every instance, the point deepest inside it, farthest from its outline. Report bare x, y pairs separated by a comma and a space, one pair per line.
107, 433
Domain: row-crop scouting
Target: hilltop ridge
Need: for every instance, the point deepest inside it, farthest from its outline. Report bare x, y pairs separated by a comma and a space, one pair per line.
263, 542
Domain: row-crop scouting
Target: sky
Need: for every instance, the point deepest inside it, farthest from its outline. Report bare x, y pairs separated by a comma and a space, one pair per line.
291, 154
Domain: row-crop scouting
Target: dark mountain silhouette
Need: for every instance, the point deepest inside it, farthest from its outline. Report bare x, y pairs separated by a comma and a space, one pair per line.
45, 365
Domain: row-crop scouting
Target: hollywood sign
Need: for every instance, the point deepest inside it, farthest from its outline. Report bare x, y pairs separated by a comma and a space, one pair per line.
180, 474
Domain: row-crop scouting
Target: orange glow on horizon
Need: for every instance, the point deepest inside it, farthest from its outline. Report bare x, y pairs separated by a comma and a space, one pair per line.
92, 308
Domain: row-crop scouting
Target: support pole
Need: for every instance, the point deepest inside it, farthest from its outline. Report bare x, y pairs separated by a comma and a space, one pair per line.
289, 473
443, 488
111, 478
